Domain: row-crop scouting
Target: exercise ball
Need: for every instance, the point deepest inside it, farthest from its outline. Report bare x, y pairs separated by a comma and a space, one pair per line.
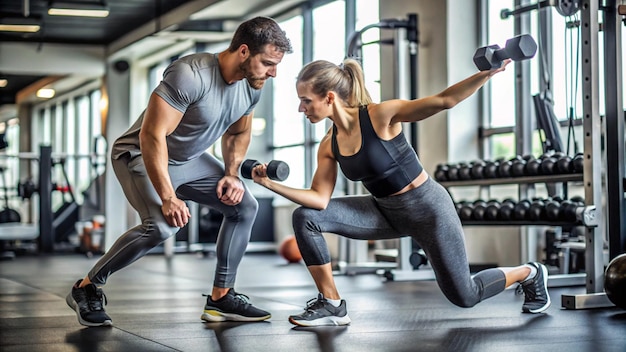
615, 281
289, 250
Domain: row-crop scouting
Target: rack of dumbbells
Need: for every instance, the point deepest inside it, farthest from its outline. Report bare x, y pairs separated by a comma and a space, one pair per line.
548, 168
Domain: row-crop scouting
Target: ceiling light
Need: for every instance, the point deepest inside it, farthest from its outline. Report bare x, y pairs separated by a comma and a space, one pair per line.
19, 24
45, 93
81, 9
3, 82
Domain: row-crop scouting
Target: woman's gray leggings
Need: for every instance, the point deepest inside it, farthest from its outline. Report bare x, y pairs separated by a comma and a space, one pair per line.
195, 180
426, 213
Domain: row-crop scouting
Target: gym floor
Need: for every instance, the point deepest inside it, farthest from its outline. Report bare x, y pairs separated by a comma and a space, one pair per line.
156, 304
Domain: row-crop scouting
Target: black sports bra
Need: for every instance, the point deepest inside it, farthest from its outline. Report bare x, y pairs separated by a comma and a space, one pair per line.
384, 167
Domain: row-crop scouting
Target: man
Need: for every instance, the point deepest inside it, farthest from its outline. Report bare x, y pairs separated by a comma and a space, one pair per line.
162, 161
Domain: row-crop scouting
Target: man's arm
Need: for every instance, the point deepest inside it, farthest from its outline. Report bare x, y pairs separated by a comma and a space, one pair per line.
235, 143
159, 121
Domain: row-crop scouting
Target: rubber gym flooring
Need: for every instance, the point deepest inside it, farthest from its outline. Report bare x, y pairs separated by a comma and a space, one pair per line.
156, 305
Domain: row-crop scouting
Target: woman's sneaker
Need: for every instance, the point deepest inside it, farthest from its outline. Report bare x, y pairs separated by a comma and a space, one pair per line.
319, 312
88, 302
536, 297
232, 307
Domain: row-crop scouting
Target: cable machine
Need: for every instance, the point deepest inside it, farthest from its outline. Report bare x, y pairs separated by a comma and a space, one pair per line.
593, 133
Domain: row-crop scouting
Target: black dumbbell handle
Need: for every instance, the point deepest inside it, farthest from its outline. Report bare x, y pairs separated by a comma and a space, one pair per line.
247, 166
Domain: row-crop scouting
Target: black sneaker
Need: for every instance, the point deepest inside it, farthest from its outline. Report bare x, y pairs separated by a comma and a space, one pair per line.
536, 297
88, 302
232, 307
319, 312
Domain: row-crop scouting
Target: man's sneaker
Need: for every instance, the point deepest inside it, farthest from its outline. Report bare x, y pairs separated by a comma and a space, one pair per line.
88, 302
232, 307
319, 312
536, 297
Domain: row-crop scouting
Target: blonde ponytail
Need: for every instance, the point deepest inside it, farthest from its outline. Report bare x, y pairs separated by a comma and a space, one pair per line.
346, 80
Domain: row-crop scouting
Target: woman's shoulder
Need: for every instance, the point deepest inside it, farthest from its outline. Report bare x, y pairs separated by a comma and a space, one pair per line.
325, 146
387, 107
383, 111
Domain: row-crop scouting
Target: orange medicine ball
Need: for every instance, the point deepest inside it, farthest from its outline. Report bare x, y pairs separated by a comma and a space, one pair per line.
289, 250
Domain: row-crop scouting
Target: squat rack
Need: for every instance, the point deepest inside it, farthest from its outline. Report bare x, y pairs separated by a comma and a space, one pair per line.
592, 133
611, 216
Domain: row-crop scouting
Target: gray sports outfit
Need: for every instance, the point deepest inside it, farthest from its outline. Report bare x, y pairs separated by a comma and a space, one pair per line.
209, 107
426, 213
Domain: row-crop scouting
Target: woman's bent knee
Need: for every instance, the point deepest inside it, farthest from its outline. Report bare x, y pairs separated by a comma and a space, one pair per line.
463, 301
303, 216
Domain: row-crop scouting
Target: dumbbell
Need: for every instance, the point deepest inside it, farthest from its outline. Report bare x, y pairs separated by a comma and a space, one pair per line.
478, 211
578, 163
536, 211
465, 210
453, 172
504, 168
465, 171
564, 165
491, 169
478, 169
517, 166
492, 210
441, 173
533, 167
548, 164
521, 210
506, 210
518, 48
567, 211
276, 170
552, 209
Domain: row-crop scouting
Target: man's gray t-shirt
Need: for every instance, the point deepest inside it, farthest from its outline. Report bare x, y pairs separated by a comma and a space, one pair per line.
194, 86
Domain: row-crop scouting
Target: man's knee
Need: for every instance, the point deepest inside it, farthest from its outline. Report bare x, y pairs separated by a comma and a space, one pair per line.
244, 211
158, 231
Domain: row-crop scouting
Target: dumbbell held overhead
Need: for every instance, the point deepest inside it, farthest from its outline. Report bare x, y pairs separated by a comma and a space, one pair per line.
518, 48
276, 170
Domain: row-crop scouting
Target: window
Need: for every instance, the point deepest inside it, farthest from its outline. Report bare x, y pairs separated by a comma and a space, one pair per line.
295, 139
563, 78
501, 110
366, 14
288, 122
329, 35
68, 124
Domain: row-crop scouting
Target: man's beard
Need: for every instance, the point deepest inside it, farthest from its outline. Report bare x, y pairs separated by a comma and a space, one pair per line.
255, 82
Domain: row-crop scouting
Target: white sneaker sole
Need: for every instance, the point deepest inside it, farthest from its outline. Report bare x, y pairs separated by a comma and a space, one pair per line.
326, 321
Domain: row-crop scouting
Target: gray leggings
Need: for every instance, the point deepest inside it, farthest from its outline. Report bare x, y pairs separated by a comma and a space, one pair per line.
426, 213
195, 180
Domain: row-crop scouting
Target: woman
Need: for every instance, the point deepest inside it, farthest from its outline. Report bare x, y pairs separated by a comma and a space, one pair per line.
367, 142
